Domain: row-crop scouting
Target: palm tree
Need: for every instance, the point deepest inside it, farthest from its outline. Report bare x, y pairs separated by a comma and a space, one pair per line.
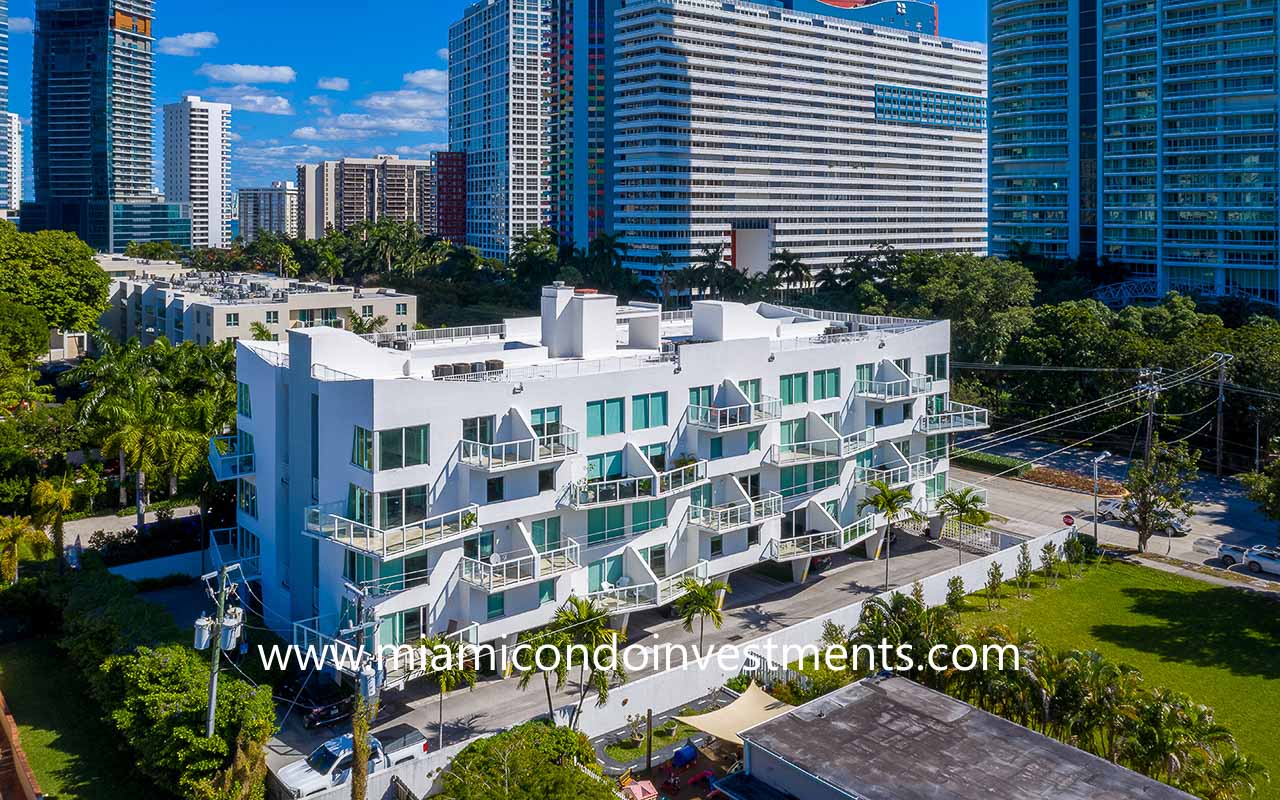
707, 268
260, 332
535, 640
702, 600
967, 505
1230, 776
789, 270
52, 498
450, 665
15, 533
894, 504
140, 425
665, 262
587, 626
365, 325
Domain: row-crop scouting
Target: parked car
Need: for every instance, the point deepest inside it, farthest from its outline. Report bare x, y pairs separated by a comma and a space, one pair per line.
1232, 554
1117, 508
1113, 508
1263, 559
329, 765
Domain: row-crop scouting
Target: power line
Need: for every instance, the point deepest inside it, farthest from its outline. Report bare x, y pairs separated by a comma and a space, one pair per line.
1061, 450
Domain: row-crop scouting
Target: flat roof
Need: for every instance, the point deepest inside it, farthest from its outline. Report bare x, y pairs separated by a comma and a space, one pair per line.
889, 738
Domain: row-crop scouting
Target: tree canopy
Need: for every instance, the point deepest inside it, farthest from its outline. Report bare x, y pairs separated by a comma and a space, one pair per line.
56, 274
533, 761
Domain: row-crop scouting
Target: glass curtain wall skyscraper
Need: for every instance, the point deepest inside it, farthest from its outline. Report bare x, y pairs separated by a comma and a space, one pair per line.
93, 100
1140, 133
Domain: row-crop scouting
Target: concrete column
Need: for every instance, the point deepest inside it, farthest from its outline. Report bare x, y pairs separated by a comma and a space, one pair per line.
800, 569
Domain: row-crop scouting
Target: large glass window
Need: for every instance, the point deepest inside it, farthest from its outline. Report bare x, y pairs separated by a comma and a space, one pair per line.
700, 396
604, 524
359, 504
545, 421
362, 448
826, 384
794, 388
546, 534
391, 449
794, 479
648, 410
647, 516
243, 407
547, 591
864, 374
825, 473
751, 389
604, 466
657, 455
417, 445
496, 606
478, 429
605, 417
935, 366
247, 497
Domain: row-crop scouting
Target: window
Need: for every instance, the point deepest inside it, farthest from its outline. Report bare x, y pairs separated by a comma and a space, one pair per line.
366, 311
391, 449
273, 318
751, 389
547, 591
826, 384
935, 404
402, 328
357, 568
605, 417
793, 523
877, 417
546, 534
605, 524
904, 447
832, 507
497, 605
832, 419
753, 441
717, 447
864, 374
935, 366
546, 479
792, 431
826, 473
359, 504
717, 546
478, 547
908, 411
604, 466
546, 421
793, 480
903, 364
417, 445
233, 320
794, 389
402, 309
493, 491
243, 407
657, 455
700, 396
647, 516
247, 496
362, 448
656, 558
936, 446
753, 536
478, 429
648, 410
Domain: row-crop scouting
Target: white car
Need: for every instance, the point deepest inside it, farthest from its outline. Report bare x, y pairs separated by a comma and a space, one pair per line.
1263, 559
1115, 508
329, 765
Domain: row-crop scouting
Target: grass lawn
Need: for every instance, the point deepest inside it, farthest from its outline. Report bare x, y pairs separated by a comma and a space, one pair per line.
1218, 645
70, 749
625, 753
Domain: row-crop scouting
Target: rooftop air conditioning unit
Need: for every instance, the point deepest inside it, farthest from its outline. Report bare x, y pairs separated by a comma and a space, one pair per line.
442, 370
402, 344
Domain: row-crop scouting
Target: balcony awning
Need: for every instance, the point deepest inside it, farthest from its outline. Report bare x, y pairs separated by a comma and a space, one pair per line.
751, 708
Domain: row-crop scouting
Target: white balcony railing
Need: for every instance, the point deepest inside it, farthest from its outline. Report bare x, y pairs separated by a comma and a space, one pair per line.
804, 452
894, 390
618, 599
672, 587
681, 478
736, 515
857, 442
861, 529
587, 493
469, 333
496, 575
226, 460
811, 544
898, 474
733, 417
323, 522
504, 455
956, 417
559, 560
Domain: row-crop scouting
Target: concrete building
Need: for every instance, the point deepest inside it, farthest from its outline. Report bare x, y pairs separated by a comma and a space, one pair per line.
197, 167
889, 738
13, 141
498, 61
270, 209
93, 96
183, 305
762, 128
470, 480
341, 194
1139, 134
449, 196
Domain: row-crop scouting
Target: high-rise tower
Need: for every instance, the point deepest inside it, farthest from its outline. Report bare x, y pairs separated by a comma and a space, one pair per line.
197, 166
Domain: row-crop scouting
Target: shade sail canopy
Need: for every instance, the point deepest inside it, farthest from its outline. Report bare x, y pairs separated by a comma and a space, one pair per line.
750, 709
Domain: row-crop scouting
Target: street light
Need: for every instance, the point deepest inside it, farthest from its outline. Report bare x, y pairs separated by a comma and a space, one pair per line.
1102, 457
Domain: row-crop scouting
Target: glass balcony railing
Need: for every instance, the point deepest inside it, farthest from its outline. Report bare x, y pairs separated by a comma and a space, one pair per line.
956, 417
804, 452
898, 474
677, 480
811, 544
504, 455
736, 515
226, 460
733, 417
862, 529
619, 599
324, 522
499, 575
899, 389
673, 587
587, 493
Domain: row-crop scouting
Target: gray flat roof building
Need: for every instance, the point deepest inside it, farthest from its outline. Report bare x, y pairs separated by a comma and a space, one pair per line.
894, 739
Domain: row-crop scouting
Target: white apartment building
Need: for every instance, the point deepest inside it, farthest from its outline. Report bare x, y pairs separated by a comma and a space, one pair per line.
204, 307
341, 194
498, 116
269, 209
13, 140
197, 167
761, 128
471, 480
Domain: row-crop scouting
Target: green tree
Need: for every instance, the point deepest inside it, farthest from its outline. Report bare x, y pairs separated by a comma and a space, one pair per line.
1049, 560
259, 332
955, 593
52, 498
1158, 488
56, 274
1024, 570
533, 761
702, 601
154, 251
587, 626
17, 533
995, 582
789, 270
451, 664
536, 257
360, 750
24, 333
1263, 488
141, 426
365, 325
967, 505
548, 639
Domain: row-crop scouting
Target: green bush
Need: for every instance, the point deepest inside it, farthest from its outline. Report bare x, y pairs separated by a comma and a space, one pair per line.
991, 463
738, 683
533, 761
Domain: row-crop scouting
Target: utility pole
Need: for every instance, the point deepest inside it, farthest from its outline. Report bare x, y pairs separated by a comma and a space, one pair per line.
216, 642
1257, 439
1153, 389
1222, 380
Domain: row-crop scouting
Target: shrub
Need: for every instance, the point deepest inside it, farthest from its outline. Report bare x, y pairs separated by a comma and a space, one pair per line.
995, 580
532, 760
991, 463
158, 540
955, 593
1049, 562
1024, 569
738, 683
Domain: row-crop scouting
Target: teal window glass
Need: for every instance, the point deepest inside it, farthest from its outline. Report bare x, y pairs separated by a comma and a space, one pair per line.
648, 410
243, 407
751, 389
794, 388
546, 534
546, 421
547, 591
362, 448
391, 449
604, 466
753, 441
647, 516
417, 445
605, 524
826, 384
717, 447
605, 417
935, 366
700, 396
497, 605
825, 473
793, 479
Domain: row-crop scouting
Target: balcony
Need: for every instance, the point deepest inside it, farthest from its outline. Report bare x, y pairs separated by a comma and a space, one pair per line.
737, 515
864, 528
898, 474
848, 446
621, 599
956, 418
890, 391
589, 494
504, 572
733, 418
811, 544
857, 442
672, 586
322, 522
524, 452
226, 460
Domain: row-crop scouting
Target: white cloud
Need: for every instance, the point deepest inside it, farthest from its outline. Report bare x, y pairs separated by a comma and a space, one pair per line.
187, 44
21, 25
247, 73
421, 149
233, 136
251, 98
435, 80
334, 84
443, 54
329, 133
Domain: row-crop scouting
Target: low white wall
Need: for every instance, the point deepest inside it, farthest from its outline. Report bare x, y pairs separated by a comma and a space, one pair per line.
182, 564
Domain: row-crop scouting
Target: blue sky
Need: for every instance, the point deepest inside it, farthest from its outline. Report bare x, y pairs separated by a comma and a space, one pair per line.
314, 79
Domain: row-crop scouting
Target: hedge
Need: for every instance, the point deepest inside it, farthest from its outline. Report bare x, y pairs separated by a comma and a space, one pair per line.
991, 462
